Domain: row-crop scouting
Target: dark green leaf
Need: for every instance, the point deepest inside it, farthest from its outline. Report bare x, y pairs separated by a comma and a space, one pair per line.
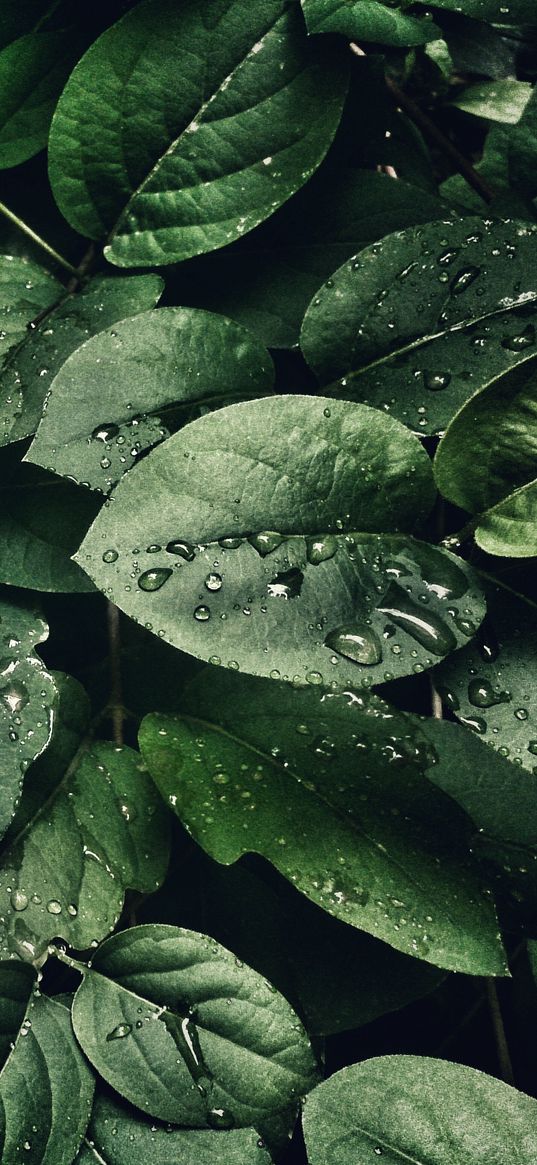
103, 405
329, 792
420, 1110
490, 686
181, 161
16, 983
223, 1047
510, 12
31, 367
33, 71
26, 289
420, 321
117, 1136
368, 20
46, 1090
501, 100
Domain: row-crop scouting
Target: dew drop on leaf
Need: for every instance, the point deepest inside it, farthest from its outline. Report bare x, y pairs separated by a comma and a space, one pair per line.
202, 613
356, 641
213, 582
482, 695
182, 549
119, 1032
425, 627
153, 580
464, 279
105, 432
266, 541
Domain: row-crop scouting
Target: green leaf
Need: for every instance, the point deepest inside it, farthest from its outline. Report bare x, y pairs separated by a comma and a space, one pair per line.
27, 374
368, 20
522, 150
117, 1137
26, 290
267, 283
42, 521
33, 71
254, 505
493, 167
27, 698
16, 983
415, 1108
503, 101
223, 1047
419, 322
511, 12
46, 1090
490, 686
488, 455
277, 772
101, 413
229, 137
89, 826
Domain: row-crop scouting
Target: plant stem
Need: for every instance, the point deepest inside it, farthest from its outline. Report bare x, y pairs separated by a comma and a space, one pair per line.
502, 1047
431, 130
116, 701
27, 230
63, 957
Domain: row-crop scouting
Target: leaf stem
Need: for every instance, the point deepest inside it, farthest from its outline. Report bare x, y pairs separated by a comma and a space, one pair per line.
62, 956
31, 234
454, 541
502, 1047
116, 702
431, 130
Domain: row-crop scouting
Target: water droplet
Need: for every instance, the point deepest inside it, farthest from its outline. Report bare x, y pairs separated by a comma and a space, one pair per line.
436, 381
356, 641
425, 627
19, 900
532, 747
119, 1032
14, 696
522, 340
476, 723
153, 580
464, 279
482, 695
287, 584
220, 1118
313, 677
105, 432
230, 543
448, 257
323, 746
320, 549
213, 582
54, 907
182, 549
521, 713
202, 614
266, 541
110, 556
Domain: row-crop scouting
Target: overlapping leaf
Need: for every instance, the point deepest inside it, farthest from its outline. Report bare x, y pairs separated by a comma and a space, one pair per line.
331, 792
103, 405
372, 21
413, 1108
179, 162
419, 322
16, 983
224, 1048
28, 372
27, 289
33, 71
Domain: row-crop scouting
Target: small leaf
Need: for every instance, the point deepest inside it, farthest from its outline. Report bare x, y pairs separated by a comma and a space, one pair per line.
74, 849
223, 1047
179, 162
501, 100
490, 686
278, 773
369, 21
417, 323
33, 71
103, 405
117, 1136
415, 1108
31, 367
27, 289
497, 11
46, 1090
16, 983
27, 698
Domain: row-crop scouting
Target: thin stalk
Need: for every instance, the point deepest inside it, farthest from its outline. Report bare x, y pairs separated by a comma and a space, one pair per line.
31, 234
116, 689
500, 1038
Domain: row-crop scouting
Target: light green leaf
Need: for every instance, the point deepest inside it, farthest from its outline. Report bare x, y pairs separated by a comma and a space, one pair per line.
16, 983
489, 454
490, 686
101, 413
331, 793
229, 137
117, 1137
223, 1047
420, 1110
28, 372
26, 290
267, 283
42, 521
368, 20
500, 100
33, 71
89, 825
234, 541
46, 1090
417, 323
27, 698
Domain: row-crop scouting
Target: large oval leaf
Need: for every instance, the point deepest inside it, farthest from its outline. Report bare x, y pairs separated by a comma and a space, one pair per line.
330, 793
419, 1110
419, 322
179, 162
101, 411
224, 1048
234, 541
33, 71
31, 366
372, 20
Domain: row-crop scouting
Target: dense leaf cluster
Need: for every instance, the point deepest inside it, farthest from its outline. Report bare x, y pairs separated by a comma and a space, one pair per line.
268, 465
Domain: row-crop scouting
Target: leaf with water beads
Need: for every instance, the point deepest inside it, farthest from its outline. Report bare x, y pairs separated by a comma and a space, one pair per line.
46, 1089
112, 399
375, 21
418, 1109
225, 1049
419, 322
376, 846
27, 698
89, 826
27, 290
117, 1136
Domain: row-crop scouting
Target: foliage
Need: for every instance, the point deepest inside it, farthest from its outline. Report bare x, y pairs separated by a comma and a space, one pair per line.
268, 344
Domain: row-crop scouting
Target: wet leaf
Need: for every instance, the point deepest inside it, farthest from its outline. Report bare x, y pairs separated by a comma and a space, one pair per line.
372, 21
27, 289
